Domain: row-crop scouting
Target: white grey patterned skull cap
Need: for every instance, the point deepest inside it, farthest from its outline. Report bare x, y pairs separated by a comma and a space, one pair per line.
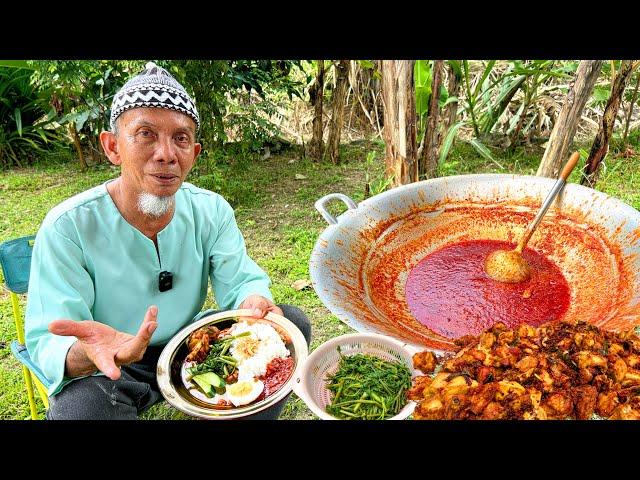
154, 87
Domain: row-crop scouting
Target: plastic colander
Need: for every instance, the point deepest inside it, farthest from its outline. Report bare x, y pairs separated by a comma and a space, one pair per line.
310, 385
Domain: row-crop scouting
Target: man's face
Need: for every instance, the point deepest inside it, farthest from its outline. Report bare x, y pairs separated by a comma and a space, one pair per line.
156, 148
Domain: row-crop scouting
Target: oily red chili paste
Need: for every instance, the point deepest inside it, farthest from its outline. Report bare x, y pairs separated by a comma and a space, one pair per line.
278, 372
449, 292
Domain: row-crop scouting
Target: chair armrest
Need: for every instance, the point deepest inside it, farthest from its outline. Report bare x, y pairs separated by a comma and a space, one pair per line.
22, 355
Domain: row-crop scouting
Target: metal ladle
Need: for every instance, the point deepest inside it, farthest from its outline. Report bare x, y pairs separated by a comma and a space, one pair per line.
509, 265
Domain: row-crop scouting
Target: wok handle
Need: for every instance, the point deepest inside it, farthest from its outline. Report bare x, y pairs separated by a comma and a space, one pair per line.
320, 206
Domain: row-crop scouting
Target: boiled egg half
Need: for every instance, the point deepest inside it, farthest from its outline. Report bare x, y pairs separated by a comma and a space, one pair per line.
244, 391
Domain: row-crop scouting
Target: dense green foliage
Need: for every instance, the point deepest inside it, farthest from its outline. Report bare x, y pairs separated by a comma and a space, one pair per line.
238, 96
22, 118
236, 99
243, 103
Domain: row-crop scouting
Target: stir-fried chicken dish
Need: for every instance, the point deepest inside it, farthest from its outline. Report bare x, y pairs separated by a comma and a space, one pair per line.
199, 343
556, 371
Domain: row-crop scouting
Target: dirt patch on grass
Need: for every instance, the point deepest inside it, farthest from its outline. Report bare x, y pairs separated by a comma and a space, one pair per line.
282, 192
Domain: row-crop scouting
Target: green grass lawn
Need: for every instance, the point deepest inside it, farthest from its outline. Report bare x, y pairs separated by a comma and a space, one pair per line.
274, 210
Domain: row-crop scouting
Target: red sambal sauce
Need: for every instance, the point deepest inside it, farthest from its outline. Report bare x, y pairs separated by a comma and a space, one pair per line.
278, 372
450, 293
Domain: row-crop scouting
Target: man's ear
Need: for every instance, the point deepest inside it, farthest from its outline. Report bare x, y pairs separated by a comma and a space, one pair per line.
197, 148
109, 143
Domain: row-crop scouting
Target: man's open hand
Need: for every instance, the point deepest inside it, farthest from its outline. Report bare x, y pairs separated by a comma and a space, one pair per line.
106, 347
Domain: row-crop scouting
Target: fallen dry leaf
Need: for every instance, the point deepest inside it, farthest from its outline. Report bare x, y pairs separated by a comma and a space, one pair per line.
301, 284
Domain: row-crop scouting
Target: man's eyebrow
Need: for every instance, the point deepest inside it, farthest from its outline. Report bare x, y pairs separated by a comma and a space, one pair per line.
186, 128
147, 123
143, 123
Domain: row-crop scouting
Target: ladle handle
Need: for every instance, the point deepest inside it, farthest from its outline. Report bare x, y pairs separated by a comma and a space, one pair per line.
562, 180
570, 165
320, 206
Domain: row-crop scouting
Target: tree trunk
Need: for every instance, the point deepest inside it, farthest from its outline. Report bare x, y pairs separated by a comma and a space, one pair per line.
429, 157
600, 145
399, 132
337, 101
567, 122
316, 94
76, 143
630, 112
451, 110
93, 151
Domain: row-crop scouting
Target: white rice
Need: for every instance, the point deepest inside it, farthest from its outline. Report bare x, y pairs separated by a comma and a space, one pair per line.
270, 346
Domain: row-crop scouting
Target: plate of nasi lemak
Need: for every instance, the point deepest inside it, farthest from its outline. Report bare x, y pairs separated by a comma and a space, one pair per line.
231, 365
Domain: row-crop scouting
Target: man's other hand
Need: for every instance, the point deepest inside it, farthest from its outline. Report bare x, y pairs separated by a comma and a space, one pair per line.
260, 306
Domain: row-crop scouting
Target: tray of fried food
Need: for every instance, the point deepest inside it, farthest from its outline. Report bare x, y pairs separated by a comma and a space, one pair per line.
559, 370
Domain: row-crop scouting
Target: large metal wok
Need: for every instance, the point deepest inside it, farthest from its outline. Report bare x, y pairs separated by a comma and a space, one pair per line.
360, 263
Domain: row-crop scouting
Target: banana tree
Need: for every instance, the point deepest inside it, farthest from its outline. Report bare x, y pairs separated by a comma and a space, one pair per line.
477, 92
399, 100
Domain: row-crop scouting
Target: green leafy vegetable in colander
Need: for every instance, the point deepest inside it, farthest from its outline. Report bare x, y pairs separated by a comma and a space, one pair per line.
366, 387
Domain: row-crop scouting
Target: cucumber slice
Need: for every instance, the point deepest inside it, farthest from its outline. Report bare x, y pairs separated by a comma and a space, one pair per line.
204, 385
212, 379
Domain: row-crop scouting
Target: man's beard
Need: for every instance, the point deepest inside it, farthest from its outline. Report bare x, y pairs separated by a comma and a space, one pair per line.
155, 206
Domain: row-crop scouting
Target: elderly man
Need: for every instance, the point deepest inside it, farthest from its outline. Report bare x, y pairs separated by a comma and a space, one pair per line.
140, 248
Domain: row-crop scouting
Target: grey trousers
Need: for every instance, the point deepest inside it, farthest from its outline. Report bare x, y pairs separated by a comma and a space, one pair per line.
100, 398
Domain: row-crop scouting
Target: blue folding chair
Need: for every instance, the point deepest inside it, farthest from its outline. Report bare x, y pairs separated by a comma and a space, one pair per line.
15, 259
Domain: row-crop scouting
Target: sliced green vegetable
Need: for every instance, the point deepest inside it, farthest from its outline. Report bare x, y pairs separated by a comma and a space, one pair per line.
210, 383
212, 379
204, 386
